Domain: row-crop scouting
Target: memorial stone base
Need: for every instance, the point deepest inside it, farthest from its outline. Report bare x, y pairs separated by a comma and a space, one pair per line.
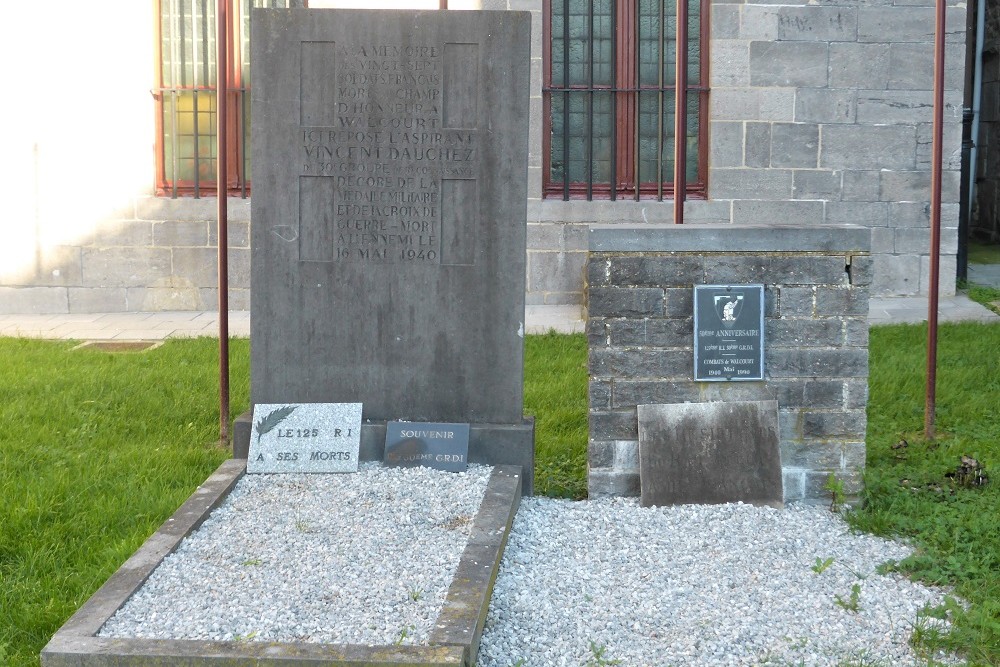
640, 284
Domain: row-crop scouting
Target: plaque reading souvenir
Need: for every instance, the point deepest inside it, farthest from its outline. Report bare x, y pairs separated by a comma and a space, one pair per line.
305, 437
439, 446
728, 333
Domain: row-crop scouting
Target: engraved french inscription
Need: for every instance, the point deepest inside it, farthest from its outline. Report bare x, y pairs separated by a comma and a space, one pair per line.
386, 151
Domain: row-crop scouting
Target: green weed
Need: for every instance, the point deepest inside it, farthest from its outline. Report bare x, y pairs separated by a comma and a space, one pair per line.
851, 603
598, 657
821, 565
835, 487
404, 634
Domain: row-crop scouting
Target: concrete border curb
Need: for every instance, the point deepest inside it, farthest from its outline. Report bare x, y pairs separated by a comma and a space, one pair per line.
454, 641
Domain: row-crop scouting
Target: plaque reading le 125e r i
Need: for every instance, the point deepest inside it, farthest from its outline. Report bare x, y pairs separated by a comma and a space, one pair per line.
728, 332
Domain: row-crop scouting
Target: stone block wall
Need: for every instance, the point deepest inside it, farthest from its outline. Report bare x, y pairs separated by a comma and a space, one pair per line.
817, 279
819, 112
153, 254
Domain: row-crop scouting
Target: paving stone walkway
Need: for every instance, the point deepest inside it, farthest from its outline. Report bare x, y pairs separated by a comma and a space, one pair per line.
538, 319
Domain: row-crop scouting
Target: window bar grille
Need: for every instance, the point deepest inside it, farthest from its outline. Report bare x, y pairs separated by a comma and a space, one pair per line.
590, 104
174, 158
614, 102
243, 142
659, 106
637, 110
174, 56
197, 141
680, 113
194, 102
566, 19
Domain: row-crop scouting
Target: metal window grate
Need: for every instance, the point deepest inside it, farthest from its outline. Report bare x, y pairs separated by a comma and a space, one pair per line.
186, 97
609, 98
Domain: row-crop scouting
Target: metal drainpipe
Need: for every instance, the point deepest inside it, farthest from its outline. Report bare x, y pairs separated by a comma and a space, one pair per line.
221, 182
964, 206
935, 250
680, 113
977, 96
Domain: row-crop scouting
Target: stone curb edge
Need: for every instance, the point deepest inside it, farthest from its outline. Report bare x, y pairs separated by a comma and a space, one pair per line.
454, 641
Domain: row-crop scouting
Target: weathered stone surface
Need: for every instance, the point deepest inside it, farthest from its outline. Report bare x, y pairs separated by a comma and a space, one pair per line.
788, 63
817, 184
757, 152
854, 65
124, 267
389, 219
709, 453
849, 147
794, 145
305, 437
625, 302
816, 280
726, 145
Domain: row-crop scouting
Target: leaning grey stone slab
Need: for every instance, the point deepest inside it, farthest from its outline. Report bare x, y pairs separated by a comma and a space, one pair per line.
454, 641
390, 194
707, 453
305, 437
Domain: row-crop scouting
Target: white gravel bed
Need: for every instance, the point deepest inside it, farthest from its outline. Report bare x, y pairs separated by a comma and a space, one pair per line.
362, 558
588, 583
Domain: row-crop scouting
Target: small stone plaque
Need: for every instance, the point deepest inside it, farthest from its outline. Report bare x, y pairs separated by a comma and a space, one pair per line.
305, 437
728, 332
708, 453
439, 446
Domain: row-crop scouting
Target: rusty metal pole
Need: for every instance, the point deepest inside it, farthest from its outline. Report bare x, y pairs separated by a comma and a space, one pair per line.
222, 129
932, 288
680, 112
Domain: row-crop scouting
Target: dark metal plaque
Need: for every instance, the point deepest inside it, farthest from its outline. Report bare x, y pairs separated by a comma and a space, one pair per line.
728, 333
439, 446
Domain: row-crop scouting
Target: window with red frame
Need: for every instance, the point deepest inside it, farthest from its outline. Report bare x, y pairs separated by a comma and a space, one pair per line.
609, 98
186, 90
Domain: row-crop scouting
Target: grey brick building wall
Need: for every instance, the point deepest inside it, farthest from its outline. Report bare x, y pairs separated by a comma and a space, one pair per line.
820, 113
640, 330
153, 254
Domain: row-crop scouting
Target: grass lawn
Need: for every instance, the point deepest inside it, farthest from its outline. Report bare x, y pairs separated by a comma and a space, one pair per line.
956, 528
984, 253
97, 449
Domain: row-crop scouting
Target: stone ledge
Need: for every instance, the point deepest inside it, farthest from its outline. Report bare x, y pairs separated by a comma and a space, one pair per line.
715, 238
455, 640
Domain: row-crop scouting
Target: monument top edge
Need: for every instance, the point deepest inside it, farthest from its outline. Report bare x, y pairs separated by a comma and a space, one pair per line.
729, 238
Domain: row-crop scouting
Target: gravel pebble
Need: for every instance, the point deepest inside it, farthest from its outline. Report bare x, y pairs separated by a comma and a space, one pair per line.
368, 559
362, 558
695, 585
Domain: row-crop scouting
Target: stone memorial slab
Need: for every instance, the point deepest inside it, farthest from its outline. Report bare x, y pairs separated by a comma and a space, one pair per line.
728, 332
434, 445
305, 437
389, 211
707, 453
